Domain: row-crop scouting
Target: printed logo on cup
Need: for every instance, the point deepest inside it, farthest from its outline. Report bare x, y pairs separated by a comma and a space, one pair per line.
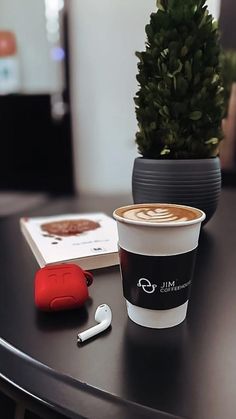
157, 282
146, 285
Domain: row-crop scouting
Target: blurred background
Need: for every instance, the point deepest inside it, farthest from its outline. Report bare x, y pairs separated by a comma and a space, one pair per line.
67, 116
67, 82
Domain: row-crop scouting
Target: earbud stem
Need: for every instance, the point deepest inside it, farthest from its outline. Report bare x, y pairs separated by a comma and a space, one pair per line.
93, 331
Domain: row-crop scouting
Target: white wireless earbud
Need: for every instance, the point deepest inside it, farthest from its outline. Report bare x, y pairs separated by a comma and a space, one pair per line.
103, 316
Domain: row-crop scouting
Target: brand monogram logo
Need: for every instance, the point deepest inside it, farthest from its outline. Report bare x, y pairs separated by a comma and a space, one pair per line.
146, 285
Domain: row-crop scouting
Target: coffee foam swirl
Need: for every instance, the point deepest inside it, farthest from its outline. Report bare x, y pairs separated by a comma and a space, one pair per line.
160, 213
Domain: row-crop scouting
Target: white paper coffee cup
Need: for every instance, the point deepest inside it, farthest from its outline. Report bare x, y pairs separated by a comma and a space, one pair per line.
157, 247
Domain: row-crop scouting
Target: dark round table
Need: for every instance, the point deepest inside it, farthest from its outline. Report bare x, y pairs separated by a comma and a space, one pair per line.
188, 371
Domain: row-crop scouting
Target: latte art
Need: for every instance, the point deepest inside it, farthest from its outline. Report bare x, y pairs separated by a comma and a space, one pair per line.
159, 213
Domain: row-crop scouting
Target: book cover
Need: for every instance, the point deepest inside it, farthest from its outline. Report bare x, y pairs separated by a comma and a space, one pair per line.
89, 239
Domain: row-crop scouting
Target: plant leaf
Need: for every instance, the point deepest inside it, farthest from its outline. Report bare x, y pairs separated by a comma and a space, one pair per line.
212, 141
159, 5
195, 116
165, 151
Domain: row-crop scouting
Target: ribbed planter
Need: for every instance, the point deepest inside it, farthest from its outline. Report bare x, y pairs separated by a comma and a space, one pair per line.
194, 182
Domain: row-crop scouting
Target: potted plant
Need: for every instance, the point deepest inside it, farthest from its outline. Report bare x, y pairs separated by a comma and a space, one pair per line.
179, 108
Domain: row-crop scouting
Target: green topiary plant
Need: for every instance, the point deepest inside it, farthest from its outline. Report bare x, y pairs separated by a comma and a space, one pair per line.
180, 102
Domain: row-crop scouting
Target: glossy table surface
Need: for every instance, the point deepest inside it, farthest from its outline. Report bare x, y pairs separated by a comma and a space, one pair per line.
128, 372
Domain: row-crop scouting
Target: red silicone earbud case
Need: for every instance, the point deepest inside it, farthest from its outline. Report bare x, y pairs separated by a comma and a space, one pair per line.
61, 287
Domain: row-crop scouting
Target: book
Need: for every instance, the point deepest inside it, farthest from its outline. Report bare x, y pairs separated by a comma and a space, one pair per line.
89, 240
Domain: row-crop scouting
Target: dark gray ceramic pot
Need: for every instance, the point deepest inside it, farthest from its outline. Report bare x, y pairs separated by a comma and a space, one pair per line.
190, 182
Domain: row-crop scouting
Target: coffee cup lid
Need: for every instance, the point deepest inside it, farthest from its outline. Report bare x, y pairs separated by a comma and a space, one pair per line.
200, 215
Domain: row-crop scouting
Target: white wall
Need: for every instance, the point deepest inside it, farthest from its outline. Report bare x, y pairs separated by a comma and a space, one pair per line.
104, 37
214, 7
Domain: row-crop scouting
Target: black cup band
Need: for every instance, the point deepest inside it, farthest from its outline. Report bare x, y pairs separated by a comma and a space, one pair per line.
157, 282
